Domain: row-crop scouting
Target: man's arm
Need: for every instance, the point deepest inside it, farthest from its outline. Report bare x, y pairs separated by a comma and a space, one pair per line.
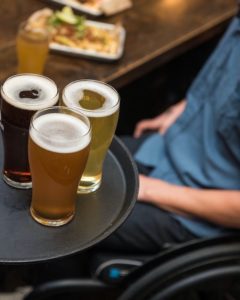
218, 206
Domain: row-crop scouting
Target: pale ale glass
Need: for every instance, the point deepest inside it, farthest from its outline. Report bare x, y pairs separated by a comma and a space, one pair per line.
21, 96
58, 150
32, 49
100, 103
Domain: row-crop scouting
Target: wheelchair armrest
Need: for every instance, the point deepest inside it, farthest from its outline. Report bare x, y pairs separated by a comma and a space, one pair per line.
113, 267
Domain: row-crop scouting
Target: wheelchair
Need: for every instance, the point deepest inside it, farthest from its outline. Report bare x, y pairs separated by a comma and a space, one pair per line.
196, 270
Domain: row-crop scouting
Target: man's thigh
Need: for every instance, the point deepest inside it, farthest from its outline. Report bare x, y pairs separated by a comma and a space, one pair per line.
147, 230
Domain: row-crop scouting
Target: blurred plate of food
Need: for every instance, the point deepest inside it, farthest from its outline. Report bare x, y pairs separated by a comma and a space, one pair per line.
96, 7
74, 35
92, 7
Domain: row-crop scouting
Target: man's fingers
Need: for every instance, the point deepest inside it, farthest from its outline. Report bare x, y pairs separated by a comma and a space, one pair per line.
141, 126
146, 125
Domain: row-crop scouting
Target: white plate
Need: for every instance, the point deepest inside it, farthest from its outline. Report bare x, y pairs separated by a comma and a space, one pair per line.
80, 7
93, 53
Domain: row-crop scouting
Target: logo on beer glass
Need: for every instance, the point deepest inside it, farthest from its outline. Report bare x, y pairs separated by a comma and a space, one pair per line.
100, 103
22, 95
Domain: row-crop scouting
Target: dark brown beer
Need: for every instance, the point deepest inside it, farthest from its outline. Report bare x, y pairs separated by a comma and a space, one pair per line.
21, 96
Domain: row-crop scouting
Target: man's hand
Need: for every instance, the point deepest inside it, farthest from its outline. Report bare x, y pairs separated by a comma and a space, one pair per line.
162, 122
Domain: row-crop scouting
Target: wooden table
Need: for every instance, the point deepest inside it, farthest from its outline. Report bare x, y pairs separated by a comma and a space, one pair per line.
157, 31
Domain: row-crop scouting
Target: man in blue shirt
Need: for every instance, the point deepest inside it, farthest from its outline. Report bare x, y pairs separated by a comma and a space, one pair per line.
190, 168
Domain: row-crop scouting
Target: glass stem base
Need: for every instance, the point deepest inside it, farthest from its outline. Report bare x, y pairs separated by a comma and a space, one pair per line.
88, 186
18, 185
50, 222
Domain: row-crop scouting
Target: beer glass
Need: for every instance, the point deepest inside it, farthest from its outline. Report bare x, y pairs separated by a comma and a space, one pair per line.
21, 96
58, 148
32, 48
100, 103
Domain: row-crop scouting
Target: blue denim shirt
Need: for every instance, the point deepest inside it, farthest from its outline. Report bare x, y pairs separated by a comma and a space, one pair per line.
202, 149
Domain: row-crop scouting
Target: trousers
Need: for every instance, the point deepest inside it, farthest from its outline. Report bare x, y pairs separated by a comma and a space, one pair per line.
148, 229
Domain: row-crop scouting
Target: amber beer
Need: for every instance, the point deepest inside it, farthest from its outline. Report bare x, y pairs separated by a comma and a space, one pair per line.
21, 96
32, 49
58, 150
100, 103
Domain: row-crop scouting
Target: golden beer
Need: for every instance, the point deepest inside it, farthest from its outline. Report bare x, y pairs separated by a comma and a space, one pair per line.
58, 151
32, 49
100, 103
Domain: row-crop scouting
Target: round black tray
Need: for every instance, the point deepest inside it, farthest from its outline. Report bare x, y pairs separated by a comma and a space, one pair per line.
22, 240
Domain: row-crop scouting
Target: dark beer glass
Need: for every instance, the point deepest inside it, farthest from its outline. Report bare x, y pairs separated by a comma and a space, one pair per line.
21, 96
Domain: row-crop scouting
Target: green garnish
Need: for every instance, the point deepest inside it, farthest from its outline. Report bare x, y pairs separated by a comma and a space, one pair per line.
54, 21
80, 30
67, 16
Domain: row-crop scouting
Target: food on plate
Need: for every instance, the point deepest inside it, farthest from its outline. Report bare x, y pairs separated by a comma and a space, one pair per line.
91, 3
75, 31
108, 7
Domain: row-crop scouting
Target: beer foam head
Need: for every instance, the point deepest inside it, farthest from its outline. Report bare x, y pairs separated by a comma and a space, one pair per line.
61, 133
74, 92
30, 91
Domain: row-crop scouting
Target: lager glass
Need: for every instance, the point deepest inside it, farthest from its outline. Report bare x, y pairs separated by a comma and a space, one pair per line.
58, 148
32, 49
100, 103
21, 96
